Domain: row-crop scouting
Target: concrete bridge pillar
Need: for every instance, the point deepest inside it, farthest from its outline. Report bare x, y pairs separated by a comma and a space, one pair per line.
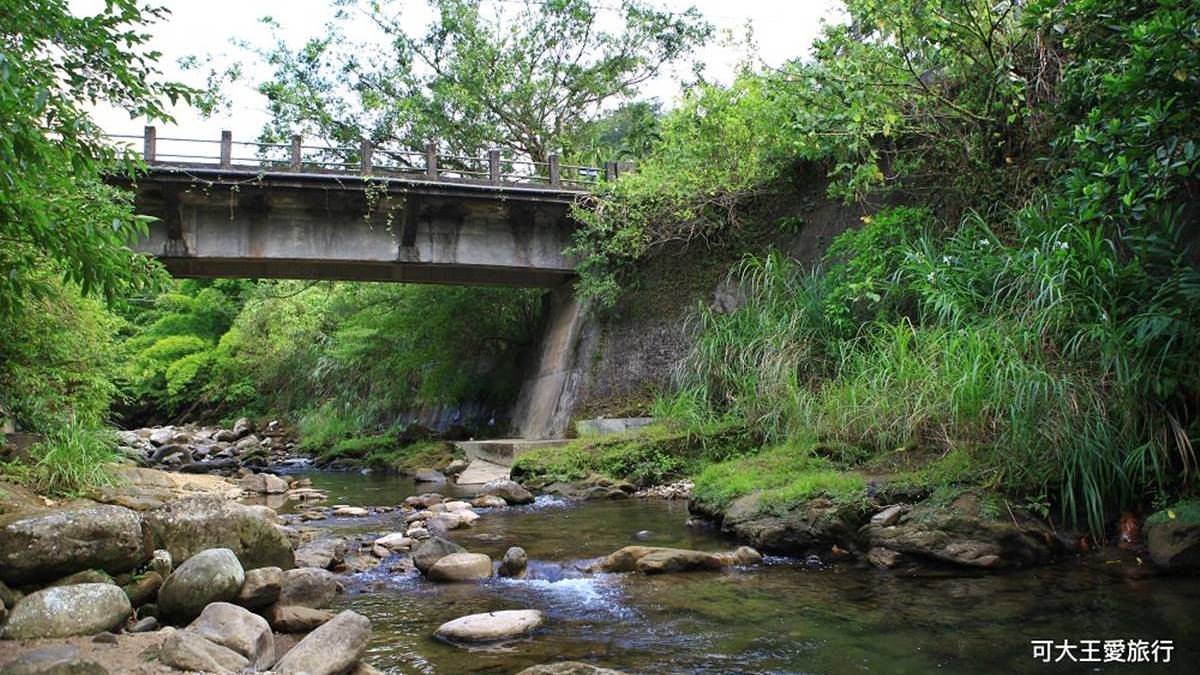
541, 412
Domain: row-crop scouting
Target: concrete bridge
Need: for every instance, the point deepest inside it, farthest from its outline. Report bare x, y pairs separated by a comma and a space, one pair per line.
367, 214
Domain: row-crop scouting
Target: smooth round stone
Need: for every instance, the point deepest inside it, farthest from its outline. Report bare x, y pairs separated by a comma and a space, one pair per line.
492, 626
461, 567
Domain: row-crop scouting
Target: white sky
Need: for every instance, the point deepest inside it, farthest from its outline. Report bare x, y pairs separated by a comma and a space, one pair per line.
782, 30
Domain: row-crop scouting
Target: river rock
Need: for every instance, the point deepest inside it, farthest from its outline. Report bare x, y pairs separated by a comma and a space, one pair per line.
263, 483
144, 589
242, 426
238, 629
432, 550
43, 546
193, 524
308, 587
84, 577
815, 524
424, 501
492, 626
1173, 542
508, 490
569, 668
63, 611
456, 467
162, 436
296, 619
214, 575
456, 505
883, 558
322, 553
488, 502
429, 476
395, 540
52, 660
444, 522
261, 588
962, 534
461, 567
514, 563
660, 560
184, 650
331, 649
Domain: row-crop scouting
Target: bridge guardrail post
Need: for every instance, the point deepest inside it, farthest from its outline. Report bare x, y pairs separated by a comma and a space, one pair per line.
494, 166
226, 149
554, 169
149, 144
366, 156
431, 162
295, 152
610, 171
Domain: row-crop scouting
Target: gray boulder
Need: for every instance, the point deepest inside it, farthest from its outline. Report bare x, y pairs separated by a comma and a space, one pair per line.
238, 629
184, 650
569, 668
214, 575
52, 660
514, 563
44, 546
331, 649
508, 490
63, 611
294, 619
322, 553
263, 483
1173, 539
461, 567
491, 626
432, 550
193, 524
308, 587
261, 588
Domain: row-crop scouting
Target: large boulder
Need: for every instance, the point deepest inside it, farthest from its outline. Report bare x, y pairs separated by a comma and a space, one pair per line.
295, 619
322, 553
964, 534
492, 626
63, 611
184, 650
331, 649
308, 587
432, 550
461, 567
659, 560
815, 524
261, 588
238, 629
214, 575
193, 524
263, 483
1173, 537
43, 546
53, 660
508, 490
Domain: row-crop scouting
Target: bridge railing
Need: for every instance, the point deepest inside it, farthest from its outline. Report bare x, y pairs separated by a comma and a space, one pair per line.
365, 160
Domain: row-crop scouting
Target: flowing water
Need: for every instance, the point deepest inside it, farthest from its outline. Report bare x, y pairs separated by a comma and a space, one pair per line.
782, 617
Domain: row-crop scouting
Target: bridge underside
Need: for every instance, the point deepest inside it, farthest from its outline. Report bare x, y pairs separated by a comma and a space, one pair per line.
239, 224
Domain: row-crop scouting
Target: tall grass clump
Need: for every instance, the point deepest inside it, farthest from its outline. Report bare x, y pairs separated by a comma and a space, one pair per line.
71, 459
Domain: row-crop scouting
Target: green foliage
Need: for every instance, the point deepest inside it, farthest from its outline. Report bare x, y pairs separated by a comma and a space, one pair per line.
525, 76
408, 458
648, 456
55, 212
786, 475
1186, 512
73, 457
58, 360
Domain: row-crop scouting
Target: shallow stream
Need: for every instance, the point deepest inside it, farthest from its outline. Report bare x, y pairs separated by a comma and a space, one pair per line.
782, 617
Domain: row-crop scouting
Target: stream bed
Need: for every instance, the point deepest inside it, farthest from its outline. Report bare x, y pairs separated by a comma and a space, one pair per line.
781, 617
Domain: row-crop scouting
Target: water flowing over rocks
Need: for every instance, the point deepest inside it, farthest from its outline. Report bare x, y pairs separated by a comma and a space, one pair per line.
63, 611
492, 626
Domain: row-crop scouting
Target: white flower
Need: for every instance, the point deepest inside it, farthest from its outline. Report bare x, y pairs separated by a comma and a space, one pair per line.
1062, 245
984, 242
930, 277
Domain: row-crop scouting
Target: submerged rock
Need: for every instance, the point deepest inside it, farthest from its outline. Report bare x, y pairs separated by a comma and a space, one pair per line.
44, 546
492, 626
569, 668
331, 649
659, 560
214, 575
461, 567
64, 611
